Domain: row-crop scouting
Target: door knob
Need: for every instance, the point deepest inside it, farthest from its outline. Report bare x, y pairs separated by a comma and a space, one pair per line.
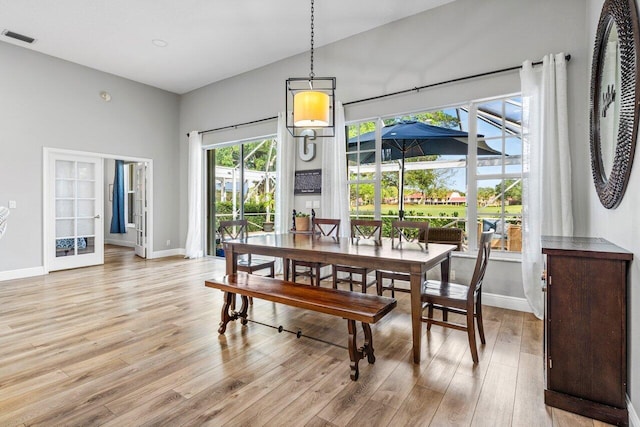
97, 216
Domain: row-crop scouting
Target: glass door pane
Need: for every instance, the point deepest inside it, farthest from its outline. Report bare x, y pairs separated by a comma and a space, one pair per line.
75, 237
75, 207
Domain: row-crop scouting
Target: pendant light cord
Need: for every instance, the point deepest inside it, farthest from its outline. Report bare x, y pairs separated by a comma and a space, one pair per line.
312, 74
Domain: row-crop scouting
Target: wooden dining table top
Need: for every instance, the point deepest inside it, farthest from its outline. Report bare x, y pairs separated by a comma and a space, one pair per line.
342, 250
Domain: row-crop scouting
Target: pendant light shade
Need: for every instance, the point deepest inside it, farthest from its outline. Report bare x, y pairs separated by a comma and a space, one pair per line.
311, 109
310, 101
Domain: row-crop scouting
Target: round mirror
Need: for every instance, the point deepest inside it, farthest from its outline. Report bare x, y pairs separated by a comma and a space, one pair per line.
609, 81
614, 100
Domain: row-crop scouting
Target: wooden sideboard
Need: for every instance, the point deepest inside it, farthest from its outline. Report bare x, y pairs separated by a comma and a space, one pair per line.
586, 327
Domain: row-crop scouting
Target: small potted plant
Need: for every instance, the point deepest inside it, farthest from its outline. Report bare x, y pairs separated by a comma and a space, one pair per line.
303, 221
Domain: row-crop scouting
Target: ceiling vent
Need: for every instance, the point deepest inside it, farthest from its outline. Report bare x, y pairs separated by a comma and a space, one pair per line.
17, 36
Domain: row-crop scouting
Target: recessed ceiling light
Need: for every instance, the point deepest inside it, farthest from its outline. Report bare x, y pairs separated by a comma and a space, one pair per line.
105, 96
159, 42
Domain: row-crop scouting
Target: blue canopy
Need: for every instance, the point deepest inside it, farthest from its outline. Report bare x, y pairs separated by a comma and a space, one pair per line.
408, 139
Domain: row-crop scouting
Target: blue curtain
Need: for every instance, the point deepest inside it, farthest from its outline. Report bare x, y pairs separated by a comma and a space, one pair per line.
118, 224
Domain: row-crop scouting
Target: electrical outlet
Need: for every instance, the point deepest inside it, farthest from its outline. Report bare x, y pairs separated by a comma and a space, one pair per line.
453, 275
316, 203
168, 242
308, 204
12, 204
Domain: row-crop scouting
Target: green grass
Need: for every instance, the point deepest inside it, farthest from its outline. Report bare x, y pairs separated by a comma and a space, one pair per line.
439, 210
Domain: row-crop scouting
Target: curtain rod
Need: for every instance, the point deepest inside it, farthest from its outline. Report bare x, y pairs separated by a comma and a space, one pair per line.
400, 92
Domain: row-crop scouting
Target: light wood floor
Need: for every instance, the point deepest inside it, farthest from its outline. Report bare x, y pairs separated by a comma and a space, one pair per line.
134, 342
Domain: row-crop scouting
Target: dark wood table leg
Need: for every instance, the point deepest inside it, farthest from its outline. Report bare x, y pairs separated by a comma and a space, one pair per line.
416, 313
231, 263
285, 268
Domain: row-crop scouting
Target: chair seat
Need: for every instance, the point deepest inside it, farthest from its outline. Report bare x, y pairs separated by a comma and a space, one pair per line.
452, 291
255, 262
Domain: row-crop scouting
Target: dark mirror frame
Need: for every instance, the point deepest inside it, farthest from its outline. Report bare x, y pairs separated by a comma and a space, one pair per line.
611, 185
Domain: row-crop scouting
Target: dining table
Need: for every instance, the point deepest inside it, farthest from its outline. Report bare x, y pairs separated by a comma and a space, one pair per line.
403, 258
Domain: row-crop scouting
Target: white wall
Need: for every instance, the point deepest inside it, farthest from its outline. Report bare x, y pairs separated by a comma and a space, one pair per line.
47, 102
620, 226
461, 38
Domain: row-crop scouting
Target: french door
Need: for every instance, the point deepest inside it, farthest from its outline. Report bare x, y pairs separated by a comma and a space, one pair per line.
75, 236
140, 208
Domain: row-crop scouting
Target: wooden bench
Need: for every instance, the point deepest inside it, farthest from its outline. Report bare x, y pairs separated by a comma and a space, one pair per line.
353, 306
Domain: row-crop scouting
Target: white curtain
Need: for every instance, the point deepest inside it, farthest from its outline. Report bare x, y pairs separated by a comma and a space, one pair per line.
334, 199
193, 247
285, 176
285, 168
546, 166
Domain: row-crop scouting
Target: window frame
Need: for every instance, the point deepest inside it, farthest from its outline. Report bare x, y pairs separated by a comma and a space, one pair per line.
472, 174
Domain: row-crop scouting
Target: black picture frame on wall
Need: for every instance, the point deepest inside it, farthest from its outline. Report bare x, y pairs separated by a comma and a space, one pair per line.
614, 100
308, 182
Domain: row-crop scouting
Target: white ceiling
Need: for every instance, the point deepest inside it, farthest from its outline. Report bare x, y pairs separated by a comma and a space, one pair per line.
208, 40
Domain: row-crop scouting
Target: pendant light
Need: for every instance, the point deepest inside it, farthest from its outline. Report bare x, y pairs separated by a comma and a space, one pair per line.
310, 102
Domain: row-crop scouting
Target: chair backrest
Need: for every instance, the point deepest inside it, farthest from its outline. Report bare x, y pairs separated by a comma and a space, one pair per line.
232, 230
484, 250
409, 232
325, 227
450, 235
366, 229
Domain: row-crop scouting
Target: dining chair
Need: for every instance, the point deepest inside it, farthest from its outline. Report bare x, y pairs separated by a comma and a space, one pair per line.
404, 235
321, 228
366, 232
461, 299
237, 229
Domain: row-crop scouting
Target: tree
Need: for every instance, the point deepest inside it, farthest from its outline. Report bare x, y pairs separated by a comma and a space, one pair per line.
512, 190
486, 193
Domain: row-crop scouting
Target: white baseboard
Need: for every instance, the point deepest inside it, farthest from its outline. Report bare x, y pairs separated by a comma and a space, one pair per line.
119, 243
168, 252
634, 421
21, 274
510, 303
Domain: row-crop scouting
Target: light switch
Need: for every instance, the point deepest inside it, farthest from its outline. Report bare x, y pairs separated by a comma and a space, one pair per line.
316, 203
12, 204
308, 204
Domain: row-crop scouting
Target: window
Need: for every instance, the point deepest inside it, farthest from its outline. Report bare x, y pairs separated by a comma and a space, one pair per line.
419, 166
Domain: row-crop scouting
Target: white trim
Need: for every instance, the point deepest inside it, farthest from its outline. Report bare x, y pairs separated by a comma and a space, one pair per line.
116, 242
634, 421
48, 151
510, 303
22, 273
168, 252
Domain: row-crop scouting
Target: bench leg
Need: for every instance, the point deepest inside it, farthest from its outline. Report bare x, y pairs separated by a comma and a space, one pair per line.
225, 316
228, 314
243, 309
355, 353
